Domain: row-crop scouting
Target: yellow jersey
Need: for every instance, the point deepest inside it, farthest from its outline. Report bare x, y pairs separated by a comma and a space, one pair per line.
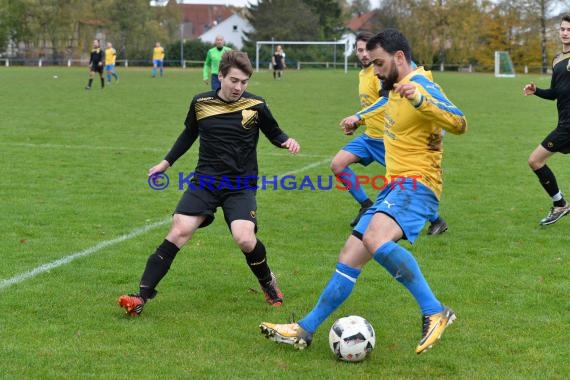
158, 53
369, 95
413, 135
110, 56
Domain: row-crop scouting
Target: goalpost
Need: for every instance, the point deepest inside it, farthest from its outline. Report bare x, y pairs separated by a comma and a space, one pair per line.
503, 65
346, 45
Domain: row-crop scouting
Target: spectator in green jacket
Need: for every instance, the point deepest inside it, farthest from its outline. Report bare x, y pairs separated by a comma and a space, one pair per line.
213, 58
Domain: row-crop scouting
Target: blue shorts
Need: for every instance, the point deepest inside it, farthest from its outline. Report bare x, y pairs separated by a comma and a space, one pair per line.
367, 149
157, 62
110, 67
410, 203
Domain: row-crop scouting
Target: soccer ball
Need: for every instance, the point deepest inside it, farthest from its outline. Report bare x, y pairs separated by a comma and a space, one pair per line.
352, 338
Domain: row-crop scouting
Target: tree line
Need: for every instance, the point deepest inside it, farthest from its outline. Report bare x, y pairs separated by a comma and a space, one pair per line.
459, 32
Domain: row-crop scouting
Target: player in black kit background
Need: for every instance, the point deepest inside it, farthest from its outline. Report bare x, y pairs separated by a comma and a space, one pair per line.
96, 64
557, 141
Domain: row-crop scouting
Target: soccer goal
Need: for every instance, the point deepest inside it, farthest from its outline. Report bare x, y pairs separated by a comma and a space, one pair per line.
503, 65
345, 46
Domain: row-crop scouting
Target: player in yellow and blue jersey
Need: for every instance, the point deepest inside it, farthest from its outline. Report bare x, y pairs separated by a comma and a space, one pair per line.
369, 146
157, 59
110, 60
416, 111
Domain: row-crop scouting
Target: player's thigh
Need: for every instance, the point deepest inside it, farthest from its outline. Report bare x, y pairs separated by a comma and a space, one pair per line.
198, 202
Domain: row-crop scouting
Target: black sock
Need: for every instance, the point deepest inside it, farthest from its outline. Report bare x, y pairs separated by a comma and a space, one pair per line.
547, 180
367, 203
157, 266
90, 83
102, 82
257, 262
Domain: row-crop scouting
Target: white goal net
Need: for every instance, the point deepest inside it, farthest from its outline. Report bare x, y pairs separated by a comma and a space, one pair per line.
503, 65
344, 50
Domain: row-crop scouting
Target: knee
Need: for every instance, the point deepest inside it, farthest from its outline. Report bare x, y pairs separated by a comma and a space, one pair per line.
245, 242
534, 163
179, 234
337, 166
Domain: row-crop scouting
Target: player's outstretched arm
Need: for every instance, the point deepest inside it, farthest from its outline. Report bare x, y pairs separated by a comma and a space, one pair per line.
292, 145
435, 106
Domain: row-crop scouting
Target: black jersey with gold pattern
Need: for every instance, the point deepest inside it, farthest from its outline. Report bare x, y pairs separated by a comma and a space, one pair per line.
559, 88
228, 132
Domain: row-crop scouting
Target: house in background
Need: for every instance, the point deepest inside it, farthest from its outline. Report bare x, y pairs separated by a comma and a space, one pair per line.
233, 30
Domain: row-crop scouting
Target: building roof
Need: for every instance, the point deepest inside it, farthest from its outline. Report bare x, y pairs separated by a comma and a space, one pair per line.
365, 21
233, 30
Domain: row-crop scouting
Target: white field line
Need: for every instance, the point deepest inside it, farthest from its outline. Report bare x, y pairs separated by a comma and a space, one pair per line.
107, 243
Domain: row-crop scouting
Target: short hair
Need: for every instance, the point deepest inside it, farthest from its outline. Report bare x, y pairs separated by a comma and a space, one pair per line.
235, 59
566, 17
363, 36
391, 40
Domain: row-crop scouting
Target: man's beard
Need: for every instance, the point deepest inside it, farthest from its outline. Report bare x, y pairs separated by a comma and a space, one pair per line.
392, 78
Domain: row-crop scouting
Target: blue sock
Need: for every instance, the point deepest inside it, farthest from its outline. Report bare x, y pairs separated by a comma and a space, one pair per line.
153, 72
335, 293
108, 77
403, 267
355, 190
116, 76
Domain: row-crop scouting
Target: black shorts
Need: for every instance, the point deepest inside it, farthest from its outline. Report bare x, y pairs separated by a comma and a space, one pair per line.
557, 141
236, 204
97, 69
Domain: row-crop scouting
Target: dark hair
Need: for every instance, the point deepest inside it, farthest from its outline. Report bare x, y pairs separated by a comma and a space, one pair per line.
363, 36
566, 17
235, 59
391, 40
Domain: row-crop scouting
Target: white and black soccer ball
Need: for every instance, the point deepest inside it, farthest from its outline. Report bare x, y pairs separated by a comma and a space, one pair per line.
352, 338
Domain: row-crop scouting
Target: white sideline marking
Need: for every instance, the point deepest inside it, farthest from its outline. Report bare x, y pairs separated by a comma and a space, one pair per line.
86, 252
107, 243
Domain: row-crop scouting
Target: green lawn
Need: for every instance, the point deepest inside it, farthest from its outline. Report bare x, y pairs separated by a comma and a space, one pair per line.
75, 202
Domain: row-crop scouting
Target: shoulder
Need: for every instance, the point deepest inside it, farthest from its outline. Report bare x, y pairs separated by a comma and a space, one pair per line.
561, 56
249, 95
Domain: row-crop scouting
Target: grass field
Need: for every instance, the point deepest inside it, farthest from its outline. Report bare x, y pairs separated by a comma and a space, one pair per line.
78, 221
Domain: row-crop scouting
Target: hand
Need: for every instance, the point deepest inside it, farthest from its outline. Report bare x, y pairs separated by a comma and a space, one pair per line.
529, 89
349, 124
292, 145
408, 91
161, 167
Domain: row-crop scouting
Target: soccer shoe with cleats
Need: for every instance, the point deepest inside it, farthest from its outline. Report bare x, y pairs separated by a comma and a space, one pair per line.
132, 303
291, 333
272, 293
437, 227
433, 327
555, 214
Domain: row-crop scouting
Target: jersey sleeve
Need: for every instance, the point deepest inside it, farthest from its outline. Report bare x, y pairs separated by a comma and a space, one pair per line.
186, 138
435, 106
270, 128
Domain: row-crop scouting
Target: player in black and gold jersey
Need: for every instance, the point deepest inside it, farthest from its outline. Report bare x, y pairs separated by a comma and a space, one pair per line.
96, 61
559, 139
227, 122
